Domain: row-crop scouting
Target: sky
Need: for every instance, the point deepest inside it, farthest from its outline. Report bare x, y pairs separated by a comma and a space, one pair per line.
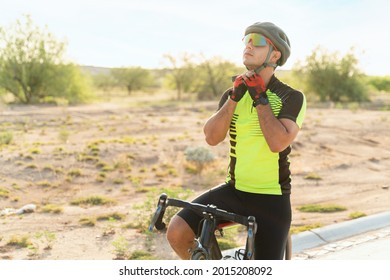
127, 33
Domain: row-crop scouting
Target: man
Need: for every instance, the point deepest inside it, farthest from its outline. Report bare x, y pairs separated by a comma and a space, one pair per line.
263, 116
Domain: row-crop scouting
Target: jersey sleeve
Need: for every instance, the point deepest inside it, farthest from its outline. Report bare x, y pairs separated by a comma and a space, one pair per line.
294, 108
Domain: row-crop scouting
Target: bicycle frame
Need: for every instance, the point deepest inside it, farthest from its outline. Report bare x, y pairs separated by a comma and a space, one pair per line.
207, 246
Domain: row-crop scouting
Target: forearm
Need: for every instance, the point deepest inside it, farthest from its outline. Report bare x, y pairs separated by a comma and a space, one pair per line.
279, 134
217, 126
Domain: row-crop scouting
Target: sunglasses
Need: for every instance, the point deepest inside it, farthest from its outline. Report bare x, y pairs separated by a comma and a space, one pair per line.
258, 40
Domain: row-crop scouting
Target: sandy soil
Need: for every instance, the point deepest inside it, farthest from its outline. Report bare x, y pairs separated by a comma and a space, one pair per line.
125, 153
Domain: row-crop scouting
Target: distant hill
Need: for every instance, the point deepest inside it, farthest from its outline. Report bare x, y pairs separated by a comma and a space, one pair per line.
94, 70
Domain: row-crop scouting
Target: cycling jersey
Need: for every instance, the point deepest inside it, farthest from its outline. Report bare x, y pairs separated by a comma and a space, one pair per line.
253, 167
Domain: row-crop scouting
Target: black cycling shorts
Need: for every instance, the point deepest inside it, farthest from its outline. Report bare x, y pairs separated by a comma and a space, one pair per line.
272, 212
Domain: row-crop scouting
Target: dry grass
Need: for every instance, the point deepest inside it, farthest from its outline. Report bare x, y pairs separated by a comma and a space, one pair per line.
87, 167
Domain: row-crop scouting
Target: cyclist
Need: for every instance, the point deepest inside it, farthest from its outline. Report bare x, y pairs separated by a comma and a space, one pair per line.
262, 116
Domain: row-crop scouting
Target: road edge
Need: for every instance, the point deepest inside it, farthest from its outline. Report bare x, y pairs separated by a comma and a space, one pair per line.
331, 233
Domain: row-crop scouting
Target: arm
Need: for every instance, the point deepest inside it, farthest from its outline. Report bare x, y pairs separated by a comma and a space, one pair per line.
217, 126
279, 133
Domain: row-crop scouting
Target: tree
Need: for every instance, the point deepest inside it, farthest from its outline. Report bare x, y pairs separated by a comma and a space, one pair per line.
215, 76
69, 84
132, 78
381, 83
333, 78
103, 81
182, 74
32, 65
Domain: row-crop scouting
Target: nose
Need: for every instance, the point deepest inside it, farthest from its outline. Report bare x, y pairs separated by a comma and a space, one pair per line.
249, 45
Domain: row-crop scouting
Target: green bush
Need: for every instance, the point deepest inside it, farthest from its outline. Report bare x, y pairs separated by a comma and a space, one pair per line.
6, 137
33, 68
331, 77
381, 83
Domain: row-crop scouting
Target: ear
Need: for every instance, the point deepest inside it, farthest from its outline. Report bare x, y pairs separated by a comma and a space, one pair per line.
276, 55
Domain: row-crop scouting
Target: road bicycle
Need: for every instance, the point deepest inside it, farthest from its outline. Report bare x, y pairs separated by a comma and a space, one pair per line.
206, 245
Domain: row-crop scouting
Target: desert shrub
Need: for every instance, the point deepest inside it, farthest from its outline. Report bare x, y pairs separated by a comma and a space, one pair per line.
46, 237
19, 241
87, 221
356, 215
313, 176
75, 173
199, 156
295, 230
92, 200
6, 137
4, 193
112, 216
145, 211
228, 240
63, 135
141, 255
52, 208
121, 248
321, 208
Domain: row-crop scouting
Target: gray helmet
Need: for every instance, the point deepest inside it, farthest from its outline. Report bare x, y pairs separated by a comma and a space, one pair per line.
276, 35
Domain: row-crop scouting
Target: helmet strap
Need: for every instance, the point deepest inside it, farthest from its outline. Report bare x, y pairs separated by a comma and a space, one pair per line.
266, 62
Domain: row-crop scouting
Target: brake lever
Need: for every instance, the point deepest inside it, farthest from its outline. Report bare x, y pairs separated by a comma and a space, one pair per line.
159, 213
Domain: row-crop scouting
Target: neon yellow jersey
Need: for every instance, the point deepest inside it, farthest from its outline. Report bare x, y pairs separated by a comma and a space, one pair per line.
253, 167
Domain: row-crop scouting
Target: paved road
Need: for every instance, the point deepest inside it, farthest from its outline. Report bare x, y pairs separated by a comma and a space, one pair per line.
373, 245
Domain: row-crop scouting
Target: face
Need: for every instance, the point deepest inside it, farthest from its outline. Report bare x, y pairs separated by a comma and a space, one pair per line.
256, 51
253, 56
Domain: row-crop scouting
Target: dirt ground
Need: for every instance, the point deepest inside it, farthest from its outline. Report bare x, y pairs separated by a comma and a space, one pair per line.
123, 153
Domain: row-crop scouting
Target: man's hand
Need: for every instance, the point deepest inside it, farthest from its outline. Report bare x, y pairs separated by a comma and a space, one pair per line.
255, 85
239, 88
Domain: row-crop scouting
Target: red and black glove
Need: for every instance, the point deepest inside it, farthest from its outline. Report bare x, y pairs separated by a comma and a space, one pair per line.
239, 88
256, 87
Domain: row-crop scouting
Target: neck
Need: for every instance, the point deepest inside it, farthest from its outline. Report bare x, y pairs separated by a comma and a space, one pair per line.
267, 74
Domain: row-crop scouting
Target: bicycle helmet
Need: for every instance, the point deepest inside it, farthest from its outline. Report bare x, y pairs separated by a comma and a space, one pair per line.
276, 35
